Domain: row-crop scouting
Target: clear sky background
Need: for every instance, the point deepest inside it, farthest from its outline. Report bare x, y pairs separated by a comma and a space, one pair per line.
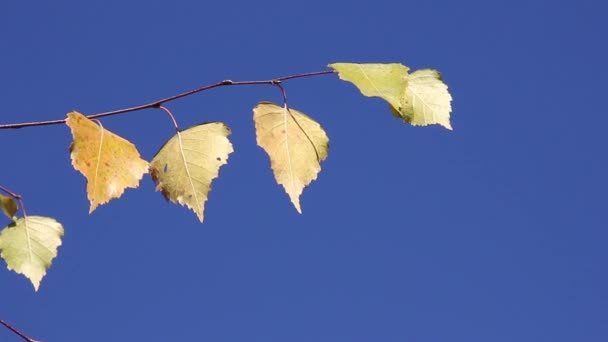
495, 231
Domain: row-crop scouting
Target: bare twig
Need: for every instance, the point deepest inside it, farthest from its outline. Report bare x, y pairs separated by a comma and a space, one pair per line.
10, 192
17, 332
158, 103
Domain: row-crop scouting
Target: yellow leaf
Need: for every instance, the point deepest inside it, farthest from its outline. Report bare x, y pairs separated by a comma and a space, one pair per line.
387, 81
109, 162
427, 100
29, 245
420, 98
295, 143
187, 163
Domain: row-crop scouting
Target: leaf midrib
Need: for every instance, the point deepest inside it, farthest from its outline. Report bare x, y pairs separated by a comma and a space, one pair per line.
181, 151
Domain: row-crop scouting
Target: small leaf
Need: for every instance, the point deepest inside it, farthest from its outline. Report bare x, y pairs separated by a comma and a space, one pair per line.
427, 100
109, 162
29, 245
9, 207
187, 163
295, 143
387, 81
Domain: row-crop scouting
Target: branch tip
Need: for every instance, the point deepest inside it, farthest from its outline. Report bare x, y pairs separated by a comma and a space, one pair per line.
159, 103
17, 332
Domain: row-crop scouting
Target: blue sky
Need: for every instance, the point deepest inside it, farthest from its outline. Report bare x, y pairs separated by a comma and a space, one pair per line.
493, 232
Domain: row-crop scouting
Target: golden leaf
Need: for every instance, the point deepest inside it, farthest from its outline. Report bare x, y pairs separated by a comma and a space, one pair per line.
109, 162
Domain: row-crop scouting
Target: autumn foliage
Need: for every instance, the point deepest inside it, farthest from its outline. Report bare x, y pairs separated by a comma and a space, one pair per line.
185, 166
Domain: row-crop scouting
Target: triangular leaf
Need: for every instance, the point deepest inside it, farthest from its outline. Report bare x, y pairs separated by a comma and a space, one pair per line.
387, 81
109, 162
29, 245
187, 163
9, 207
427, 100
295, 143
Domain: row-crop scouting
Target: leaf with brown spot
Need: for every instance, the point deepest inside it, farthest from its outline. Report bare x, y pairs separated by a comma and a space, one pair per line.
109, 162
186, 164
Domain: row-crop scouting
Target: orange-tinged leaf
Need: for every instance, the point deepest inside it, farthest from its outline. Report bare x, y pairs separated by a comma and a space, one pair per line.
109, 162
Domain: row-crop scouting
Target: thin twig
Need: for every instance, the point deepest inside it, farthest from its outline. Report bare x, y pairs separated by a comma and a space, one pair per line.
160, 102
10, 192
13, 329
155, 104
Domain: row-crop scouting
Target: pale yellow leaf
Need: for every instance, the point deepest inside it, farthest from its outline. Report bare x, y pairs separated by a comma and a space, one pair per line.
427, 100
187, 163
295, 143
109, 162
29, 245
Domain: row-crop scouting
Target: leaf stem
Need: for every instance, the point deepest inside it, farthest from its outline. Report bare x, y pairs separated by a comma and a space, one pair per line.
283, 93
17, 332
171, 116
158, 103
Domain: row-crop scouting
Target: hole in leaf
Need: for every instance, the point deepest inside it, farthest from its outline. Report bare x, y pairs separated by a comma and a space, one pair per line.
165, 168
